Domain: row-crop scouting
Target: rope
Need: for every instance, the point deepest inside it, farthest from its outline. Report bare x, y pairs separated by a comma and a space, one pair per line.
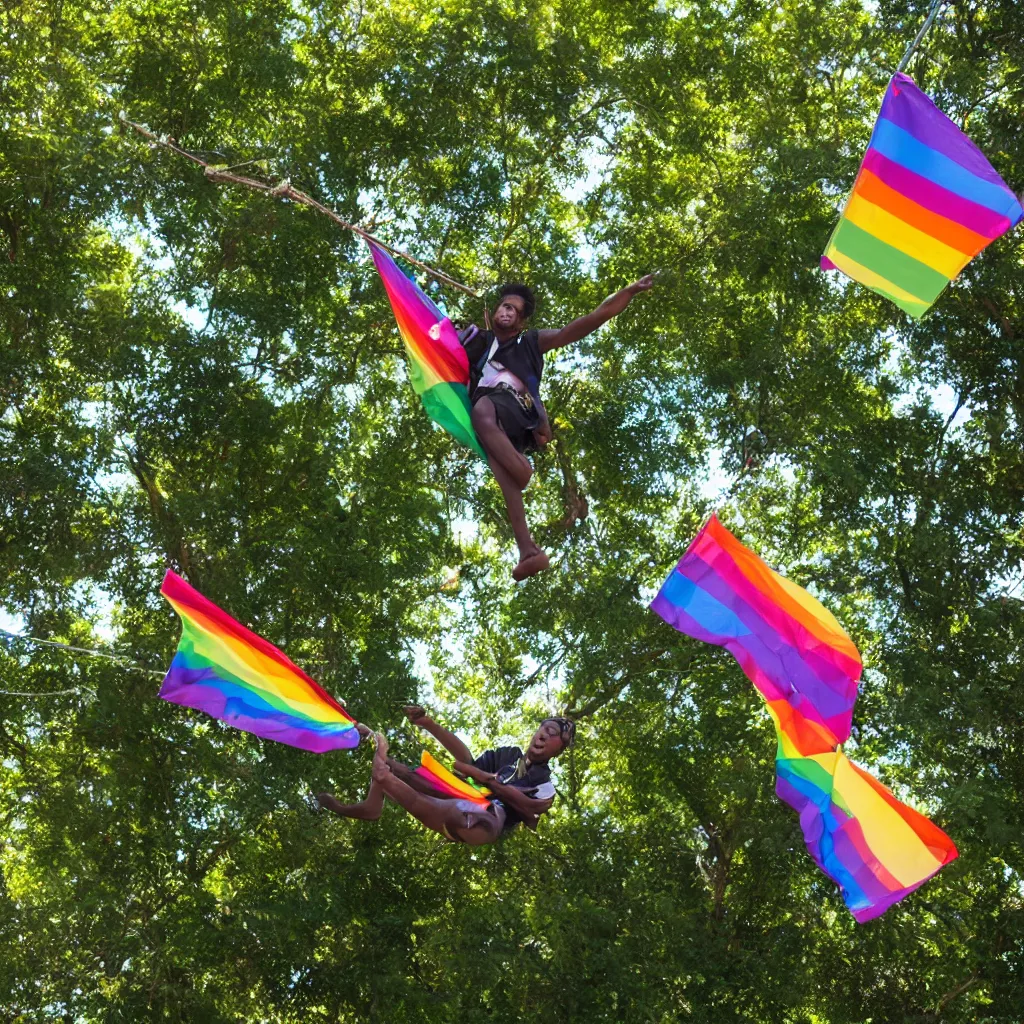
78, 650
52, 693
936, 4
285, 190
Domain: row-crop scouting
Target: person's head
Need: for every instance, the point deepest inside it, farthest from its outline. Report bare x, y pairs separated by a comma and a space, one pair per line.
515, 306
552, 737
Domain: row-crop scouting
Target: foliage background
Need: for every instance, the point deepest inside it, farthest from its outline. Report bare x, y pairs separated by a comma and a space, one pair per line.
198, 377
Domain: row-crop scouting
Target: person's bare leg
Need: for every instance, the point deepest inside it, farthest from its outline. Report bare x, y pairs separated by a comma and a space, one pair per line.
369, 808
512, 471
496, 444
531, 558
435, 813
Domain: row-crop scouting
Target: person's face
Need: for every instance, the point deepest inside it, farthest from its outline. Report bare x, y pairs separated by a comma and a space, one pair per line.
546, 743
509, 313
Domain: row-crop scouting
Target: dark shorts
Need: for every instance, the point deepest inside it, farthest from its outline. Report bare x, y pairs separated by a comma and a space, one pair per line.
483, 826
517, 422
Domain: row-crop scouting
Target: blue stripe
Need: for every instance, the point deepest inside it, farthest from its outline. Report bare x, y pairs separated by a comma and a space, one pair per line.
712, 615
853, 895
241, 699
901, 147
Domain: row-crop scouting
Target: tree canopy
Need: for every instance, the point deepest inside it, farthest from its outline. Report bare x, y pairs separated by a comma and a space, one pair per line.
200, 377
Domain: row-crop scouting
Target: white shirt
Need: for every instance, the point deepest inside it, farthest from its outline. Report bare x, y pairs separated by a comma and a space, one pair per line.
495, 374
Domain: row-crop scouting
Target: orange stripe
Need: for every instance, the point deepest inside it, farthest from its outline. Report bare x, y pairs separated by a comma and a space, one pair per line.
764, 579
870, 187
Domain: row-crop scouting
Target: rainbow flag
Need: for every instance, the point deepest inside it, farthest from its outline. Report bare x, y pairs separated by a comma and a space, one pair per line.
445, 782
925, 202
227, 671
875, 848
438, 364
790, 646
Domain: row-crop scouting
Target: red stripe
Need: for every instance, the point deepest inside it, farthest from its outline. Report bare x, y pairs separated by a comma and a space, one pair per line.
175, 589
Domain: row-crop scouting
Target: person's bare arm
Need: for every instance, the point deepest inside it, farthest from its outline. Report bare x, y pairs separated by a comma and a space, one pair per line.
543, 433
455, 746
525, 805
584, 325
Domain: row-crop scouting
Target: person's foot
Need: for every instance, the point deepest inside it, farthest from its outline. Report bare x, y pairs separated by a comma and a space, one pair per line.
329, 802
530, 564
380, 771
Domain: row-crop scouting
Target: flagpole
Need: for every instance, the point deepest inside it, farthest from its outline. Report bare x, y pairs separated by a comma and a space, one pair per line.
936, 4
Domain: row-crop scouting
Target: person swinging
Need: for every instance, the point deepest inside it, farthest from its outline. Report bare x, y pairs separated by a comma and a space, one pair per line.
519, 782
506, 363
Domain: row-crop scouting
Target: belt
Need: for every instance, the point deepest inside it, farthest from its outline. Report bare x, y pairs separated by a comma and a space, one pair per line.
526, 401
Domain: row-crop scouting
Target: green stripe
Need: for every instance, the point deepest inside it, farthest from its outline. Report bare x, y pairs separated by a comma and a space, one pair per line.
811, 771
902, 270
915, 309
448, 406
192, 653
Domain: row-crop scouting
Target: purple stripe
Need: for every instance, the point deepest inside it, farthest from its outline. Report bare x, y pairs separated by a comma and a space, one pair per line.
847, 852
720, 561
764, 669
936, 198
827, 264
910, 109
831, 689
211, 701
879, 908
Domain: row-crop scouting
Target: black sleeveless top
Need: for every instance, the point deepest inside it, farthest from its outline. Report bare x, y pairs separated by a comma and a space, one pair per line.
521, 355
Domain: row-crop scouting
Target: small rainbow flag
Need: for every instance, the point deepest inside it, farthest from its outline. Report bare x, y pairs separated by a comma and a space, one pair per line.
229, 672
438, 364
925, 202
875, 848
445, 782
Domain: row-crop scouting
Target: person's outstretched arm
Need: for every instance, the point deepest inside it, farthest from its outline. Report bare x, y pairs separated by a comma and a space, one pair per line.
584, 325
455, 746
525, 805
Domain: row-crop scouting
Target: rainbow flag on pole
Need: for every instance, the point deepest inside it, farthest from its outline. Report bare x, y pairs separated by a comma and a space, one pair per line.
438, 364
229, 672
925, 202
875, 848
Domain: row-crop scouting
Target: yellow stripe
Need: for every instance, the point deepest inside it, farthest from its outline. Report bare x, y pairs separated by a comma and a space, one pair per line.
261, 672
896, 845
840, 640
871, 279
433, 765
900, 235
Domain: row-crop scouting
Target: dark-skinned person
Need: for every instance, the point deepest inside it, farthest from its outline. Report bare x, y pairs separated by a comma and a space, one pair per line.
519, 781
506, 362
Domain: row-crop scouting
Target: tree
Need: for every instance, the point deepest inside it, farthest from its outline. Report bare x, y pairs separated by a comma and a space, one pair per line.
199, 377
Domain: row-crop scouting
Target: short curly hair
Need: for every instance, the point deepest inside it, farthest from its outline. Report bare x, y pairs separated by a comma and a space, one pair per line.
525, 292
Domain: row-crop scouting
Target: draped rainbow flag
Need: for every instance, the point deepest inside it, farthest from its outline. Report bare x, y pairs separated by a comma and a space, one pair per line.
445, 782
229, 672
438, 364
925, 202
875, 848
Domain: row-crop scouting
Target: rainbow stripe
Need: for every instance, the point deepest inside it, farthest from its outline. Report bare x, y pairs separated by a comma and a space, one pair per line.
438, 364
925, 202
875, 848
229, 672
445, 782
